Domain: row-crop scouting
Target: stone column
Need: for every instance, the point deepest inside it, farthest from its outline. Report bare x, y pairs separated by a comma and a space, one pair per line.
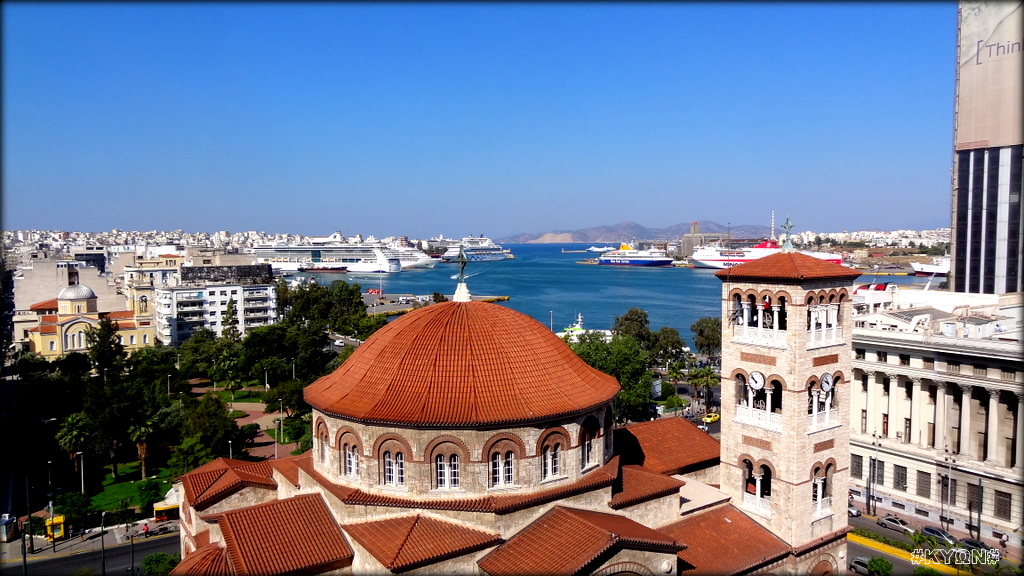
757, 487
818, 485
941, 408
895, 406
812, 312
814, 407
917, 424
746, 314
834, 311
1017, 440
992, 429
964, 441
775, 323
768, 399
823, 310
828, 408
872, 403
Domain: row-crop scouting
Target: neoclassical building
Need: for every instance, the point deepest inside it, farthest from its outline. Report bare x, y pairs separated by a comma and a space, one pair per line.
466, 438
938, 392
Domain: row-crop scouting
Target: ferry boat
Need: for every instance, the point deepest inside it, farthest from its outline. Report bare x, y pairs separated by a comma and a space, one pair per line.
938, 267
355, 258
412, 257
573, 332
625, 255
716, 256
477, 249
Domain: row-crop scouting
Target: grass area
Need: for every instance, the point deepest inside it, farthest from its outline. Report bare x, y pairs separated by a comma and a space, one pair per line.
240, 396
125, 486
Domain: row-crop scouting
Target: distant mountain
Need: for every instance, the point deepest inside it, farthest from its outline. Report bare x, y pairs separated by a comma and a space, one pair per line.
628, 231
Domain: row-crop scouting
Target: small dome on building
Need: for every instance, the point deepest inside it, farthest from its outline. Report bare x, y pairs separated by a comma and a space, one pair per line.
458, 364
76, 292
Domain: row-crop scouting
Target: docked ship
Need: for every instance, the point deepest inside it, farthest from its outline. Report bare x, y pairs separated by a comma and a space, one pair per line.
938, 267
412, 257
354, 257
717, 256
625, 255
477, 249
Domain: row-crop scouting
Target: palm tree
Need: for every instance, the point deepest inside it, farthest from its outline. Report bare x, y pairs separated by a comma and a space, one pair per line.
706, 378
73, 435
140, 433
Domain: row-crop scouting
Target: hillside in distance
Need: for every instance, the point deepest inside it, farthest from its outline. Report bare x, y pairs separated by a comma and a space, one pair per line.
629, 231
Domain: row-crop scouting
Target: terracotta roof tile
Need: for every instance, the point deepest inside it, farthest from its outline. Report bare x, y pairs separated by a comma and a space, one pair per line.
215, 480
49, 318
289, 467
787, 267
305, 537
412, 541
117, 314
50, 304
723, 540
499, 504
207, 560
461, 364
567, 540
666, 445
638, 484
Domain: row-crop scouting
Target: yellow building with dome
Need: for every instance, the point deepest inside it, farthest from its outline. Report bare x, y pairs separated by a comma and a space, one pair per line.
65, 321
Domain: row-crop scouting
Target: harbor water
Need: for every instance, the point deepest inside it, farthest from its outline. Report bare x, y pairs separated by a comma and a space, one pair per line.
549, 285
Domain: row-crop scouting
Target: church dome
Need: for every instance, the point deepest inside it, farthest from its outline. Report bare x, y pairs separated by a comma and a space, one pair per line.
461, 364
75, 292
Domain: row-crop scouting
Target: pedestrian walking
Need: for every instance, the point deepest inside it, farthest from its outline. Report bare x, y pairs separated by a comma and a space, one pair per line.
145, 530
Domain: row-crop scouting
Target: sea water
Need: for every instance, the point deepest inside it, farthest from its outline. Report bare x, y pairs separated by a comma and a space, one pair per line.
551, 286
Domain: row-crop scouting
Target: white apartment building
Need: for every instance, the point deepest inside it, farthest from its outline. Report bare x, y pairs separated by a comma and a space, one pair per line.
936, 409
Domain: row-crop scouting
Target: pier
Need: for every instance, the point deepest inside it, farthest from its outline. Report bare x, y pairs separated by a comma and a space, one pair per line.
398, 304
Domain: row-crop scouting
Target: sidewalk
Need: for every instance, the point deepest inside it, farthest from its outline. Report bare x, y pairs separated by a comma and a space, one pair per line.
10, 552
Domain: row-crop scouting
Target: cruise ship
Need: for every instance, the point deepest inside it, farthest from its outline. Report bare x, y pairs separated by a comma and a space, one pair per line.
716, 256
412, 257
625, 255
355, 258
478, 249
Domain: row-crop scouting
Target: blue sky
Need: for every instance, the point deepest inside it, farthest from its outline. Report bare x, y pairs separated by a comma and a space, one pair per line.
463, 118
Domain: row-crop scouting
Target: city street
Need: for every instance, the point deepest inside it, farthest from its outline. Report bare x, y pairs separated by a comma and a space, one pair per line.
117, 558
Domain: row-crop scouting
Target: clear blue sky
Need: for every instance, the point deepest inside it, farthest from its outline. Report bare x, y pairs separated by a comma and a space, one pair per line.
465, 118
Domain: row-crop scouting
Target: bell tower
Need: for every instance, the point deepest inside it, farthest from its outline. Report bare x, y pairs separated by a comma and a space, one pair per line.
786, 369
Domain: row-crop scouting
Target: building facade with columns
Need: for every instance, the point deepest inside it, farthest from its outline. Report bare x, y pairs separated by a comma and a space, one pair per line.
936, 405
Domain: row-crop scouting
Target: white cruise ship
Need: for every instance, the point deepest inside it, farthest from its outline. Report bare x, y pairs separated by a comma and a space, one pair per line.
478, 249
355, 258
714, 256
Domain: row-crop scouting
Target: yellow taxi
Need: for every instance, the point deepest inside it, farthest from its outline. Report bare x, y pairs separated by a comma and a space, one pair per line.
712, 417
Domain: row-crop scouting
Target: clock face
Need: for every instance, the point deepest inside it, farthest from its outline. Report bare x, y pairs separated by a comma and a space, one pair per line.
826, 382
756, 380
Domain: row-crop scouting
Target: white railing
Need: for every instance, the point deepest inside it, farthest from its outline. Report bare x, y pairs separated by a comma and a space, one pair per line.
762, 506
759, 335
826, 419
825, 337
759, 418
822, 508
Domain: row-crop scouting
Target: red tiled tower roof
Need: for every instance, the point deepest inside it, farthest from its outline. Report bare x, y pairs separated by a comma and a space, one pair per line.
787, 267
411, 541
461, 364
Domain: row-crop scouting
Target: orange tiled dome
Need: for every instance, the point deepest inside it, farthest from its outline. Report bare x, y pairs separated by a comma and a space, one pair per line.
461, 364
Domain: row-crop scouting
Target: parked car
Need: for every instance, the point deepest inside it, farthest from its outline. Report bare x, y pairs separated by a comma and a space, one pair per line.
940, 535
852, 511
896, 523
702, 428
859, 565
712, 417
972, 544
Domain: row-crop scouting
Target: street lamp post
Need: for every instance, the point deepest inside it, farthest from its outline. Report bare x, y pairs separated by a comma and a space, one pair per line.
551, 320
280, 408
231, 452
49, 487
947, 499
81, 468
876, 441
103, 547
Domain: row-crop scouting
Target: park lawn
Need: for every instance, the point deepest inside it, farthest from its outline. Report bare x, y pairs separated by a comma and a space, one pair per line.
125, 488
240, 396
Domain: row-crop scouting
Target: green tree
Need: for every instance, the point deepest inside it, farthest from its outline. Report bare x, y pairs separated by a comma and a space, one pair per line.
75, 434
704, 378
628, 363
106, 352
230, 323
74, 505
666, 345
438, 298
707, 335
149, 491
198, 354
140, 434
634, 323
159, 564
108, 402
879, 566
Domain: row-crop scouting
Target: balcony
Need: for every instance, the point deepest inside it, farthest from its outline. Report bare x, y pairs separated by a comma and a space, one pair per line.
823, 420
759, 418
759, 506
759, 336
822, 337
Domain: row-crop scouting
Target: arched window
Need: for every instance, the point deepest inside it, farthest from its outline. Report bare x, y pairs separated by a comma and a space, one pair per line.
389, 469
589, 430
453, 471
551, 455
53, 345
509, 470
131, 340
399, 469
352, 461
502, 469
145, 338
